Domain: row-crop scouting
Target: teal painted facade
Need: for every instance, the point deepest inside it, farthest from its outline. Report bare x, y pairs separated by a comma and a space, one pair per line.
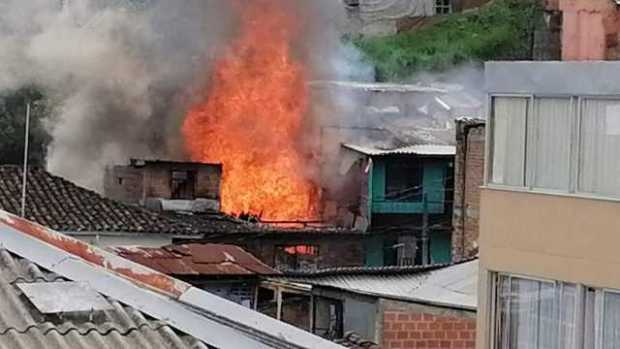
434, 179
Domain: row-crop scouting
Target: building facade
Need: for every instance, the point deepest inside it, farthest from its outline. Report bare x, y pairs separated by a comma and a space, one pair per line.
468, 178
142, 180
549, 224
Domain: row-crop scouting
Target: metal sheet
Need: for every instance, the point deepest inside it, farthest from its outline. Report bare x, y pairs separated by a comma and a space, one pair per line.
63, 297
426, 149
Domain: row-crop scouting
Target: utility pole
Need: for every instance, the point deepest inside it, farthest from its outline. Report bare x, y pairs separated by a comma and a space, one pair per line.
25, 169
425, 233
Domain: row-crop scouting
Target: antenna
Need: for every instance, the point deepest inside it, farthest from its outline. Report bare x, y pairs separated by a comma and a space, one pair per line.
25, 169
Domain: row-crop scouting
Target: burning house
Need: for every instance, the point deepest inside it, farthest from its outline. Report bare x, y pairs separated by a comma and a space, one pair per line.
169, 182
387, 165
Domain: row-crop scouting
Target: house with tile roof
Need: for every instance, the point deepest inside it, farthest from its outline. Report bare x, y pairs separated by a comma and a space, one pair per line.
59, 204
59, 292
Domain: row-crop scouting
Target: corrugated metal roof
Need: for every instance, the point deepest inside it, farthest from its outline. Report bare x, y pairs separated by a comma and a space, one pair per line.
23, 326
452, 286
197, 259
422, 149
378, 86
205, 317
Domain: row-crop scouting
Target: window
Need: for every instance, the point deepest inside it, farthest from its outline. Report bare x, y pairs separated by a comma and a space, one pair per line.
403, 181
182, 185
443, 7
535, 314
566, 144
600, 146
297, 257
509, 126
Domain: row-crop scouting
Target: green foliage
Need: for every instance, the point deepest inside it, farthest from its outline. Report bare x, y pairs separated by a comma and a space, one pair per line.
12, 127
501, 30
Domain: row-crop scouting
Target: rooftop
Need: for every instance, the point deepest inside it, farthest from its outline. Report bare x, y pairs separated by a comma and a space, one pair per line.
422, 150
149, 307
197, 260
61, 205
453, 286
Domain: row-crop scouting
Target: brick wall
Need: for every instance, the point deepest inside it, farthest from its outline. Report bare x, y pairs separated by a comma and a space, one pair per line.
468, 177
409, 329
334, 250
132, 184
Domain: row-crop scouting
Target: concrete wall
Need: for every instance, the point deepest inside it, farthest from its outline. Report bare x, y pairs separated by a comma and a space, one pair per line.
555, 237
468, 177
410, 325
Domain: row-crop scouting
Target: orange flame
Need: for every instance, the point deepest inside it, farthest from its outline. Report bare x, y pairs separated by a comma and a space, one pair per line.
252, 118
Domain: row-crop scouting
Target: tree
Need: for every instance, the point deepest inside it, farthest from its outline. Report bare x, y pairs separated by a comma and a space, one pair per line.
13, 122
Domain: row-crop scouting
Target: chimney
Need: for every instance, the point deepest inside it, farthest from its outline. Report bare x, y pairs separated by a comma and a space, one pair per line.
590, 29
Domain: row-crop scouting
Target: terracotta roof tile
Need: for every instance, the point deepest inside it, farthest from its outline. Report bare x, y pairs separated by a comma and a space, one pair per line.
61, 205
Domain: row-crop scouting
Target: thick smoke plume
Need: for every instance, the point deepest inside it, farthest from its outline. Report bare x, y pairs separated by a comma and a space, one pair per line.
121, 74
118, 73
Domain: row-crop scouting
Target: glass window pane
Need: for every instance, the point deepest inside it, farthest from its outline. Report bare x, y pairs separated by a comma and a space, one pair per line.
524, 314
599, 170
611, 321
568, 317
551, 149
509, 129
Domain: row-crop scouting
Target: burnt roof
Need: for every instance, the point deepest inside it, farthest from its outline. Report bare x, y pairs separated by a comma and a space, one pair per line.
62, 205
197, 260
355, 341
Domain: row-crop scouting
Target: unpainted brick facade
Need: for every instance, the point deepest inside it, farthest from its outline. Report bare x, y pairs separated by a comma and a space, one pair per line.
334, 250
141, 180
468, 178
421, 330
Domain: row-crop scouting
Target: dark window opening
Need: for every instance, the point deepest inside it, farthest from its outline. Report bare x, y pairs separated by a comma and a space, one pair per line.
403, 181
328, 318
120, 180
297, 257
182, 185
352, 3
443, 7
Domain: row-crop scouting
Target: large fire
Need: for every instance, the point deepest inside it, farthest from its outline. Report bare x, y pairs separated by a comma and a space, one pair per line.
252, 118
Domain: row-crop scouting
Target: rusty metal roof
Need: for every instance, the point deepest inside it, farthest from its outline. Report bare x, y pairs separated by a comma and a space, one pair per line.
197, 260
171, 302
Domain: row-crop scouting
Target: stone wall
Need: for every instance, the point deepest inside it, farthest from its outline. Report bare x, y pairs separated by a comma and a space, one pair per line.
468, 177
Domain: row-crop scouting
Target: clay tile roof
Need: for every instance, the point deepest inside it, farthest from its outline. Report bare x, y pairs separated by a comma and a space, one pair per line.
61, 205
197, 259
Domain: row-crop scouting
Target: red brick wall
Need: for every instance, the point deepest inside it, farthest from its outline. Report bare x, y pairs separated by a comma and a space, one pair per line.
468, 177
404, 330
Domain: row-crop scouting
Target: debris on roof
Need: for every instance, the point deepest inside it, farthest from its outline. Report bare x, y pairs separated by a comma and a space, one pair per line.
424, 150
61, 205
197, 260
355, 341
174, 304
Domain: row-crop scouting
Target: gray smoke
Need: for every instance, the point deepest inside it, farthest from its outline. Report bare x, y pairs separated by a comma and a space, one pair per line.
119, 73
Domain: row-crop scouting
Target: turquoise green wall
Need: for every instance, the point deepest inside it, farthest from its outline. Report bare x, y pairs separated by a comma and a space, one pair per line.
441, 247
433, 182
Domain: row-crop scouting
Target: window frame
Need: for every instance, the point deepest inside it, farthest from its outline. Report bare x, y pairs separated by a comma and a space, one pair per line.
575, 144
436, 6
494, 334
